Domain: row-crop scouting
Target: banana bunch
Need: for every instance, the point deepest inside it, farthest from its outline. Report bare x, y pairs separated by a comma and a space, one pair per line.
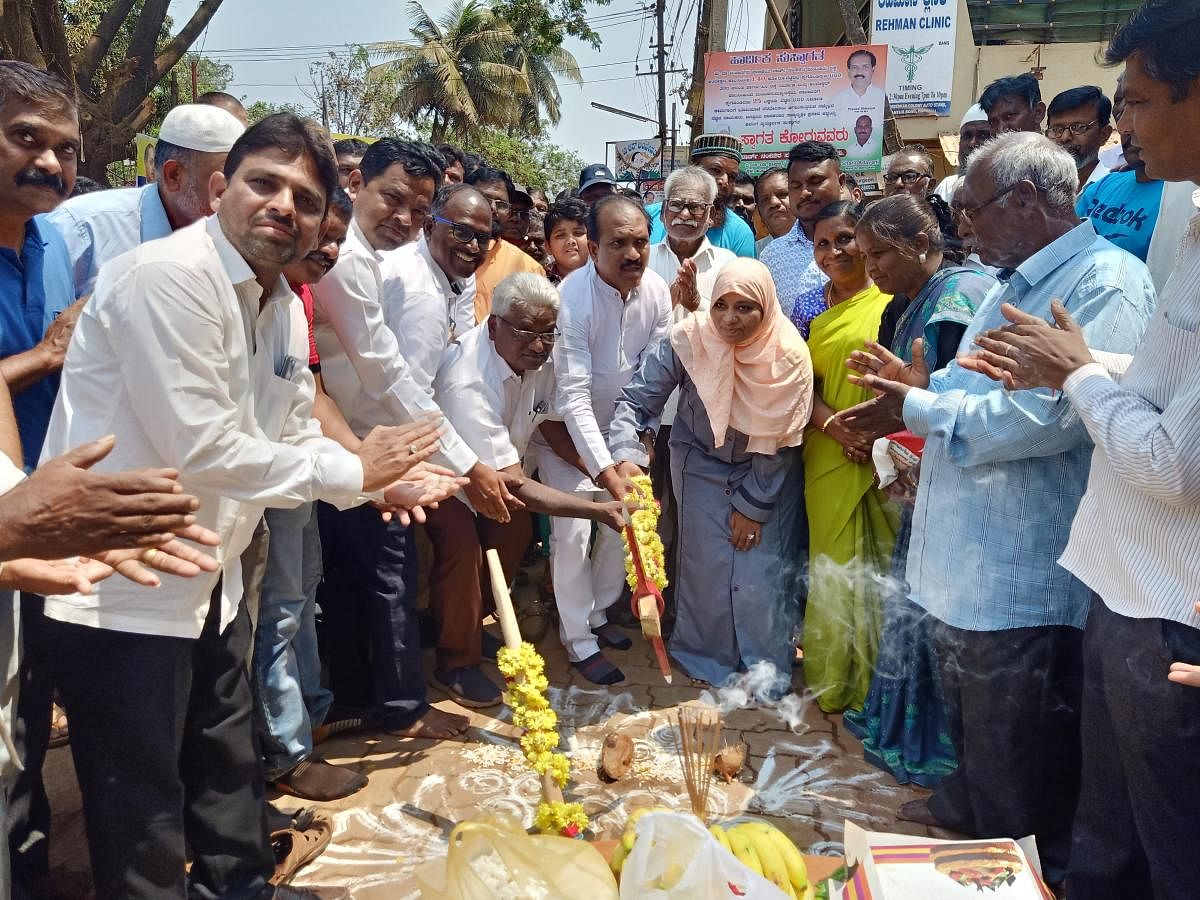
629, 836
767, 850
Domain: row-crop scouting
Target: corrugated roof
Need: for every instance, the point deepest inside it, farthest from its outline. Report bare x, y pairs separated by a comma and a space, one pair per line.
1047, 21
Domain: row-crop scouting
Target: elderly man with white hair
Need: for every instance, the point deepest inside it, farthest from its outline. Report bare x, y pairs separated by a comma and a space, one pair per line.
496, 386
1001, 477
689, 262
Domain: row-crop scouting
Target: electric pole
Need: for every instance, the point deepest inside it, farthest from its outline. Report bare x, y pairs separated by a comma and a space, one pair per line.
660, 10
711, 24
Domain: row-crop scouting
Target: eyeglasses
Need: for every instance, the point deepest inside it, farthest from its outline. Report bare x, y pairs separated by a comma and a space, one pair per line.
908, 176
500, 206
696, 209
1057, 131
528, 337
970, 212
464, 234
518, 214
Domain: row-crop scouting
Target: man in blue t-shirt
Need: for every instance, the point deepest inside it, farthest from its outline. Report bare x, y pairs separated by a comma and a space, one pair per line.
721, 156
1123, 206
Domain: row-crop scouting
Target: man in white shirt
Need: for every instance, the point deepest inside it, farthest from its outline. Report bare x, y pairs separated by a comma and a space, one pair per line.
192, 145
973, 132
863, 95
612, 311
367, 374
1135, 540
496, 385
688, 262
192, 350
428, 298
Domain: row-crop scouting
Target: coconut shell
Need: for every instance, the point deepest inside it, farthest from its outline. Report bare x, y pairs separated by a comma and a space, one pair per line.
616, 756
729, 761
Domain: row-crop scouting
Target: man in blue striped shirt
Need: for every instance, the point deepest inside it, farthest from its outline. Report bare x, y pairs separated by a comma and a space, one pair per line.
1001, 477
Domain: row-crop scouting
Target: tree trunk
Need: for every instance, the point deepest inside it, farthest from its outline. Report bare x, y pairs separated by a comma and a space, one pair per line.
856, 34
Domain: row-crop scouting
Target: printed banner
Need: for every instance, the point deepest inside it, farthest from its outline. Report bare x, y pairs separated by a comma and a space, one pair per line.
775, 99
638, 160
920, 39
144, 145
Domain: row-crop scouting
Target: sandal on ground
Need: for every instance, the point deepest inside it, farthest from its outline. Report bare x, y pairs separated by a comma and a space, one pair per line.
295, 848
468, 686
598, 669
60, 730
316, 779
326, 730
609, 635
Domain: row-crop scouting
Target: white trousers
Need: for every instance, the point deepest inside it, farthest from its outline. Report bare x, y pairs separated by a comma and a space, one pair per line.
588, 577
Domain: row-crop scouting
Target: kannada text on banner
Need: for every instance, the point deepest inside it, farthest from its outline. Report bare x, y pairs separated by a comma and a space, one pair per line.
920, 37
775, 99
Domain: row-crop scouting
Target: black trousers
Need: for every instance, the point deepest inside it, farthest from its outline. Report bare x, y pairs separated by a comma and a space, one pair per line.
28, 824
1012, 705
371, 637
1135, 830
167, 758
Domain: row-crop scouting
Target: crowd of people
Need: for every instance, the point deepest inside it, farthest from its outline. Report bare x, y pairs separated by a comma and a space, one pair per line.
262, 417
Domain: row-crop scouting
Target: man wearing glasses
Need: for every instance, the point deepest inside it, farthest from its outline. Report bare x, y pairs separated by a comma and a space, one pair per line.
510, 220
428, 292
1079, 121
1004, 473
496, 385
909, 172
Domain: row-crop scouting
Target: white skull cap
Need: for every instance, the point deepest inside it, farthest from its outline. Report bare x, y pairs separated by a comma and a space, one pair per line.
198, 126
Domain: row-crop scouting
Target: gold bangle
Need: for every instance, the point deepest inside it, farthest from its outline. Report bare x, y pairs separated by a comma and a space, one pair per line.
825, 424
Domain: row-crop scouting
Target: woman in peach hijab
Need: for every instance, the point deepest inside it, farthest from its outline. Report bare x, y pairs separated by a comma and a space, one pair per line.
745, 396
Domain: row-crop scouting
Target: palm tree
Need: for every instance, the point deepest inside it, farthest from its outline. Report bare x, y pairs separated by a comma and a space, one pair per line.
455, 69
543, 95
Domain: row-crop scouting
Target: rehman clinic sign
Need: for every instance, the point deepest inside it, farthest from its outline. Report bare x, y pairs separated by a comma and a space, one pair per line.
774, 99
920, 38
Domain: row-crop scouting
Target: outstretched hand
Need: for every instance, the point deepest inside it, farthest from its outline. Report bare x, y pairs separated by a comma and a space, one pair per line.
1030, 352
877, 364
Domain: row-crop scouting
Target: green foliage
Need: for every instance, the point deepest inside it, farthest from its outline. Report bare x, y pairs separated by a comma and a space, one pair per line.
532, 161
352, 99
473, 69
176, 88
541, 26
260, 109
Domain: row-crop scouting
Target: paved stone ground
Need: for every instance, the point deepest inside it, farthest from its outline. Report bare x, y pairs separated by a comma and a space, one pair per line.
808, 779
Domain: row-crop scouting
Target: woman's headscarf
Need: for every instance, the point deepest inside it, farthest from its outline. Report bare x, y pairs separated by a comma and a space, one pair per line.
761, 387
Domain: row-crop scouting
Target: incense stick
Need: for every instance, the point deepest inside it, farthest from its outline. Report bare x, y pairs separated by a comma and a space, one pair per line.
697, 740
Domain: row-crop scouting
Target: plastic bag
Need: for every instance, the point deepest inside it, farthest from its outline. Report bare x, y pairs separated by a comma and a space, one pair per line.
493, 858
675, 857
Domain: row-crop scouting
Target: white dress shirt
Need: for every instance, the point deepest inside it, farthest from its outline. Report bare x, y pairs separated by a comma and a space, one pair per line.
361, 363
178, 356
10, 638
603, 340
947, 186
709, 260
1135, 539
495, 410
423, 308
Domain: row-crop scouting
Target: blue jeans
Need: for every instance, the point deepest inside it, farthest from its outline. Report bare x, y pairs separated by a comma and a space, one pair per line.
287, 670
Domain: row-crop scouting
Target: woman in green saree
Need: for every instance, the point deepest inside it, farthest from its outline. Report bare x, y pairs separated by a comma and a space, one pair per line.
852, 525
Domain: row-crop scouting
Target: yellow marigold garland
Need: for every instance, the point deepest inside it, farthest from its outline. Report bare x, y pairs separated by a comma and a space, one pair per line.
645, 531
524, 673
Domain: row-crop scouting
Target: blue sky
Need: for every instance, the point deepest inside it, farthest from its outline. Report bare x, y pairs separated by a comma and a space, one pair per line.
271, 44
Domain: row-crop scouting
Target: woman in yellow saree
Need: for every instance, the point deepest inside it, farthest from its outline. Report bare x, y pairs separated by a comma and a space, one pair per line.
852, 526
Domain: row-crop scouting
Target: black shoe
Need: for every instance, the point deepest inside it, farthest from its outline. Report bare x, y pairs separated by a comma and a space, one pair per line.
489, 645
620, 613
468, 686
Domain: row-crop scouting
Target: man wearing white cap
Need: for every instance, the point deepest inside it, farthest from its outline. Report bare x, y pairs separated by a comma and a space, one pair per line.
192, 145
973, 133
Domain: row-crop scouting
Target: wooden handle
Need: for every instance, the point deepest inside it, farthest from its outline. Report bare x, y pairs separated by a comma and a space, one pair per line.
504, 607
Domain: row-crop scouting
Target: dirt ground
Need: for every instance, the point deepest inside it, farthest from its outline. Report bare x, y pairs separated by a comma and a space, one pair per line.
808, 780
